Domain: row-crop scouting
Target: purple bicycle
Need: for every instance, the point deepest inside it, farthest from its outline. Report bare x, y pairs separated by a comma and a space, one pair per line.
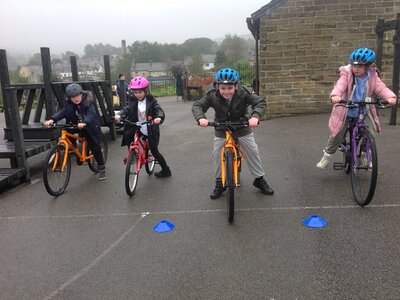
360, 157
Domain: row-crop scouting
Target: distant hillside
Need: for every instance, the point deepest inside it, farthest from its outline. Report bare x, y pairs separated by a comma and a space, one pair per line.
243, 36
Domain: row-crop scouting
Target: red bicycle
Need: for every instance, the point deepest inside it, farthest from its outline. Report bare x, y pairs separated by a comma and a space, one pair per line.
139, 154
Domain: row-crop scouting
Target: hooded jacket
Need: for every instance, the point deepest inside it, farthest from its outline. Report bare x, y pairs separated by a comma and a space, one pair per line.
344, 89
237, 110
84, 113
153, 109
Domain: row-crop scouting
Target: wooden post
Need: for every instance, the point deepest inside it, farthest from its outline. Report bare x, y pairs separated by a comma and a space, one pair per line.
16, 129
379, 42
74, 68
5, 81
396, 68
47, 78
108, 94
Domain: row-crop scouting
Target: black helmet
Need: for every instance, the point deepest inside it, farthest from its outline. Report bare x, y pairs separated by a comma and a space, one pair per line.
73, 90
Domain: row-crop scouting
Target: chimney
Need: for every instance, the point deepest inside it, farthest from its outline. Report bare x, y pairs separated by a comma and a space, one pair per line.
123, 46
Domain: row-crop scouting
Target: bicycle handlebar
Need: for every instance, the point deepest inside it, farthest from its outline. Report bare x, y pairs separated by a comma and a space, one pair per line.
129, 123
62, 126
352, 103
230, 125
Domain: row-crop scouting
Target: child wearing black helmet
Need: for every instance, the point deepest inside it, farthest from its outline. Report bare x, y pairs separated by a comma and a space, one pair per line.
358, 80
230, 101
79, 109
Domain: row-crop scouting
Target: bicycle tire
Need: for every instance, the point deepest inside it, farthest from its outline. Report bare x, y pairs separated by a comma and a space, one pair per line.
55, 180
364, 177
150, 165
230, 185
131, 175
92, 163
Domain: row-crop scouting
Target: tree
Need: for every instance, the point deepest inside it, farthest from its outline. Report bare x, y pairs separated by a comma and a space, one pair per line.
220, 60
35, 60
68, 54
196, 67
123, 66
234, 47
195, 46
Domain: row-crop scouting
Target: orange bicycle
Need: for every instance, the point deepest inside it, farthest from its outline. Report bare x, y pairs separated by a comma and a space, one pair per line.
57, 165
231, 162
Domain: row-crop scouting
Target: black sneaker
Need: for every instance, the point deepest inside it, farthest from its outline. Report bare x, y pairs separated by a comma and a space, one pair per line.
217, 192
102, 175
261, 184
163, 173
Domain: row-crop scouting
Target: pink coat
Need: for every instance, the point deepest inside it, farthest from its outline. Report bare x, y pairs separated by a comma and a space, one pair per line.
344, 89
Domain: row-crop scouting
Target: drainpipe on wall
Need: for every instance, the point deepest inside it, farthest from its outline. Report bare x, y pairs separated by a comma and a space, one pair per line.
254, 27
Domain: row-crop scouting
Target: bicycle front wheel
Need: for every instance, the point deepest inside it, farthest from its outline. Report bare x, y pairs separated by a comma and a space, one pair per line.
151, 162
55, 179
230, 184
131, 174
364, 172
92, 163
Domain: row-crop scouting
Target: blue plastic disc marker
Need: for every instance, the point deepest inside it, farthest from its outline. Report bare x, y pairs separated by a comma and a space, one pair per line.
315, 222
164, 226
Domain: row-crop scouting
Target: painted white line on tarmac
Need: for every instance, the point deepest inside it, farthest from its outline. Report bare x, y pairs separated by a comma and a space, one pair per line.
95, 261
171, 212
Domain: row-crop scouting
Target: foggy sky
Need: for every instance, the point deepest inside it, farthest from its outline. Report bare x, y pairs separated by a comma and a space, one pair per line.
62, 25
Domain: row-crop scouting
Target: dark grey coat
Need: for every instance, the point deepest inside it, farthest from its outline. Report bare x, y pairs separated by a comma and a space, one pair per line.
237, 110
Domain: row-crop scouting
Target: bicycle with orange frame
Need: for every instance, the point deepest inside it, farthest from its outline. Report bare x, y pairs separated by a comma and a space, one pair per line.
231, 162
57, 165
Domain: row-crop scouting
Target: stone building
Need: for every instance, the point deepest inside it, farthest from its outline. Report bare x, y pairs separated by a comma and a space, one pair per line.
301, 44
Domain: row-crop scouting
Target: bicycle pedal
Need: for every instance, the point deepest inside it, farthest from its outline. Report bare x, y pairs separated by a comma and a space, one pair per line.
338, 166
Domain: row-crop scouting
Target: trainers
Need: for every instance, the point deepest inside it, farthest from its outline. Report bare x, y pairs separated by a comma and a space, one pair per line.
102, 173
261, 184
363, 160
163, 173
325, 160
218, 190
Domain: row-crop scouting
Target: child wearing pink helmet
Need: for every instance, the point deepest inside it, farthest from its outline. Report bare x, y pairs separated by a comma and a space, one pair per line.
143, 105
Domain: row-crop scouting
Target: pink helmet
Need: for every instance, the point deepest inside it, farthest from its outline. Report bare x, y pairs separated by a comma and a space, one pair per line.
139, 83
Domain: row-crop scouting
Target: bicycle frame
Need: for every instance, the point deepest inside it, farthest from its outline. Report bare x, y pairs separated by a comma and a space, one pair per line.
140, 146
231, 145
64, 139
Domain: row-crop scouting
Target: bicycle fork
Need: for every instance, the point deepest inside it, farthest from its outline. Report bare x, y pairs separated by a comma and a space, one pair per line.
235, 165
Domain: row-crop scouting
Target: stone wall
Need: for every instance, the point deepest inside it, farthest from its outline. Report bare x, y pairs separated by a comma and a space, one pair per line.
303, 43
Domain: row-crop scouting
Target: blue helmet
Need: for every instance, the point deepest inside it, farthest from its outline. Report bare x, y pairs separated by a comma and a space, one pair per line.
362, 56
227, 75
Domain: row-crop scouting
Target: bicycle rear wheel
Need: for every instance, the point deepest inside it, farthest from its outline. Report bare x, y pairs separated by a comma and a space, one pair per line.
54, 178
364, 172
230, 184
151, 164
92, 163
131, 174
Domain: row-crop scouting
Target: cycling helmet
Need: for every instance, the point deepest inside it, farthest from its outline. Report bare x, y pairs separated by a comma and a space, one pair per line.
362, 56
139, 83
73, 90
227, 75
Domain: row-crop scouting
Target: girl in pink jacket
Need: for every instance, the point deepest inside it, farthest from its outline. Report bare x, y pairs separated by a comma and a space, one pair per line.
357, 81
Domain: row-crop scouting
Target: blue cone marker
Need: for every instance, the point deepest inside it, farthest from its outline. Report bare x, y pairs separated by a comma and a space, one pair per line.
315, 222
164, 226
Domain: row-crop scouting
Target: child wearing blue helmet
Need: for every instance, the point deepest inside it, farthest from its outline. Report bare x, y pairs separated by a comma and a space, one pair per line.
230, 101
358, 80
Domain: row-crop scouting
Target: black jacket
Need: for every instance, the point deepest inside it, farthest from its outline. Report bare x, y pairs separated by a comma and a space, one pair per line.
237, 110
153, 109
84, 112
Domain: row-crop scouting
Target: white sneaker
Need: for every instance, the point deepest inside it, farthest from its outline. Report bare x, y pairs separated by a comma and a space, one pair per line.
325, 160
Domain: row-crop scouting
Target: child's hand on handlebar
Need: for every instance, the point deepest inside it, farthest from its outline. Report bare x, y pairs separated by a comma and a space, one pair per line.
48, 123
335, 99
81, 125
203, 122
253, 122
117, 118
392, 101
157, 121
